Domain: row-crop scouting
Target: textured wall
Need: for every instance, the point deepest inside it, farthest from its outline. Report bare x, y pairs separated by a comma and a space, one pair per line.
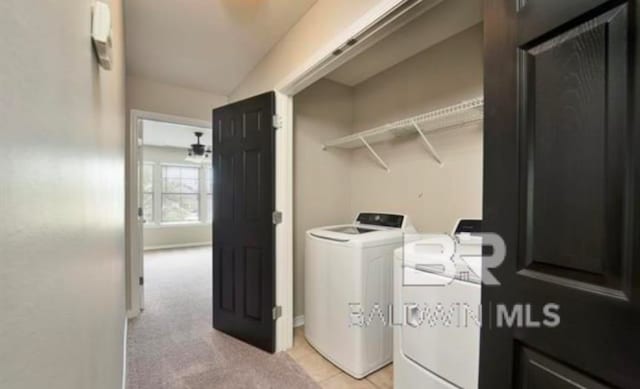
61, 199
435, 197
321, 179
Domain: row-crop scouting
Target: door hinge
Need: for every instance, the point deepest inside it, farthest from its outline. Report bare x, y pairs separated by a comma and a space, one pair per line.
141, 281
277, 121
140, 212
276, 312
276, 217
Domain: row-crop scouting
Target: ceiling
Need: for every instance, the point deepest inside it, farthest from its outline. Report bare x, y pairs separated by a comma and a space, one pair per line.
172, 135
209, 45
434, 26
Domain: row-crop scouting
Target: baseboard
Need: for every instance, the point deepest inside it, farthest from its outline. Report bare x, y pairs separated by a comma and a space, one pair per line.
177, 246
124, 353
298, 321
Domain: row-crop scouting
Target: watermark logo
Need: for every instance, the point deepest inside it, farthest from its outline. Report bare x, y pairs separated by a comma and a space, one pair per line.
451, 258
455, 315
440, 260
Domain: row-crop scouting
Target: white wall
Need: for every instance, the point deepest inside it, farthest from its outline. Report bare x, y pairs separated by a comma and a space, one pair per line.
434, 197
321, 179
153, 96
62, 199
319, 26
181, 235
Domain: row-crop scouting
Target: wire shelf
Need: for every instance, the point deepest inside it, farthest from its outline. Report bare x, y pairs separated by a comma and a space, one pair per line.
449, 117
454, 116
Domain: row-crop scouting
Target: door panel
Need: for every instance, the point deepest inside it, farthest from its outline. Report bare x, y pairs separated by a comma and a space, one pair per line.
537, 371
253, 182
561, 187
226, 269
243, 236
253, 281
572, 109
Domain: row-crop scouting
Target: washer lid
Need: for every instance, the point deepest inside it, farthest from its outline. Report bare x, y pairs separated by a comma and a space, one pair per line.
357, 233
368, 229
351, 230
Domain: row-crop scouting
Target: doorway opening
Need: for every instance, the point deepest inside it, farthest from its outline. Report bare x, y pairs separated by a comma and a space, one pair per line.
173, 192
394, 128
171, 342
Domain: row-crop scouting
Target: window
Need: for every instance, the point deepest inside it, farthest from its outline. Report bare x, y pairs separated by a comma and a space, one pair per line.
147, 191
176, 193
180, 194
209, 173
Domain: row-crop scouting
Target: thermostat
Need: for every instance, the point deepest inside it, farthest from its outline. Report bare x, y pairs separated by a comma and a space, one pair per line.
101, 33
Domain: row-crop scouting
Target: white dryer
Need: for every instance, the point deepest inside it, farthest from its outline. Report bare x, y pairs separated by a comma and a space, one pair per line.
349, 268
437, 345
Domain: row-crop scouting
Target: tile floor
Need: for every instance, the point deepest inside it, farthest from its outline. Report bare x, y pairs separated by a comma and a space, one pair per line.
329, 376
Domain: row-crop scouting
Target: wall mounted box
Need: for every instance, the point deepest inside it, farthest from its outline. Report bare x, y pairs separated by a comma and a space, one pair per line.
101, 33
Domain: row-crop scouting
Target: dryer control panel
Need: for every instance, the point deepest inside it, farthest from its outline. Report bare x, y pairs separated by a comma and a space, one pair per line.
468, 226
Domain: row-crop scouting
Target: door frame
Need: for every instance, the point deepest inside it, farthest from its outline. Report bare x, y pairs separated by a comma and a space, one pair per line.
320, 63
284, 231
134, 241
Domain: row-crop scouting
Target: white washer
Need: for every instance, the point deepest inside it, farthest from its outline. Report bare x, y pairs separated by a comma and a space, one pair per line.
346, 265
429, 351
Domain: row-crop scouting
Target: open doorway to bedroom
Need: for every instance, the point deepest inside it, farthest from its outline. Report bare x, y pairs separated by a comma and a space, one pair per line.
176, 197
174, 192
174, 222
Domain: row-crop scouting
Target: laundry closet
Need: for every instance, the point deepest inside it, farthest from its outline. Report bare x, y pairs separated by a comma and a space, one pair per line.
397, 128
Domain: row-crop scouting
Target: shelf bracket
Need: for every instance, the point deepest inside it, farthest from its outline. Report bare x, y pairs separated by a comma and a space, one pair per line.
430, 147
373, 152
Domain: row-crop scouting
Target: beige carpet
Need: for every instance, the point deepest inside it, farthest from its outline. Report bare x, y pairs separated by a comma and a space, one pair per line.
172, 344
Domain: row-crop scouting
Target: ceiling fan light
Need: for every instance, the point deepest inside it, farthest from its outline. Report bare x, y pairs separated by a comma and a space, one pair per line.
198, 153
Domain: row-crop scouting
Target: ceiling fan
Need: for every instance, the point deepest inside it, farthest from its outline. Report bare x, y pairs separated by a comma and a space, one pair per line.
199, 153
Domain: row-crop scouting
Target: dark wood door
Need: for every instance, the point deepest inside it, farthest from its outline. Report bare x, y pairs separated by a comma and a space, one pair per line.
243, 231
562, 188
